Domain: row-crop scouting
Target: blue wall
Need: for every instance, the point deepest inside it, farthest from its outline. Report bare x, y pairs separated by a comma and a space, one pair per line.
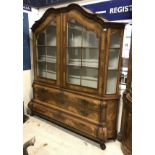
26, 43
42, 3
110, 10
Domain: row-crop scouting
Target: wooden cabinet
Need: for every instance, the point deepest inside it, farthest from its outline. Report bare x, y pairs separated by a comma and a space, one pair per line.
76, 71
126, 124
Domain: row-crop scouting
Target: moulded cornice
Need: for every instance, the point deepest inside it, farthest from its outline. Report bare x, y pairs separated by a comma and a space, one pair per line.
90, 15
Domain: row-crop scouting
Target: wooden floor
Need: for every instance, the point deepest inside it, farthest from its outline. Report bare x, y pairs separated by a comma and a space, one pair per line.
54, 140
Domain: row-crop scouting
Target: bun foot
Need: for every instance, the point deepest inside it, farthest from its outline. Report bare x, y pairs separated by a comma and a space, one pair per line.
29, 110
102, 146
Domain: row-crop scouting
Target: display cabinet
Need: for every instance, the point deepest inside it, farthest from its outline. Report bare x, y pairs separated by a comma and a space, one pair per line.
76, 57
126, 123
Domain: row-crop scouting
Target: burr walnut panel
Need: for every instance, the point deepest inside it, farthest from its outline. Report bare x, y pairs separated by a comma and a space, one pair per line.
87, 107
66, 118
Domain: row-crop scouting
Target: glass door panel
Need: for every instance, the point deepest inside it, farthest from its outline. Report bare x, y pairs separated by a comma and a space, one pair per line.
74, 52
41, 39
51, 70
51, 54
41, 53
89, 39
82, 55
74, 75
90, 57
113, 59
114, 52
74, 56
51, 34
112, 82
115, 40
46, 52
74, 34
42, 69
89, 77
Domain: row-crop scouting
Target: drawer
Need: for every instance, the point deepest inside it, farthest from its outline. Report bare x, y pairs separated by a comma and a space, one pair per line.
65, 119
78, 104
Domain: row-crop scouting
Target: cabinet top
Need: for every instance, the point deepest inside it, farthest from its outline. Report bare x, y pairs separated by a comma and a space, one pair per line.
87, 13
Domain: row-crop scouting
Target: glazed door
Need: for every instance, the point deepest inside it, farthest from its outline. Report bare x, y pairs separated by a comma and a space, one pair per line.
81, 49
114, 51
47, 50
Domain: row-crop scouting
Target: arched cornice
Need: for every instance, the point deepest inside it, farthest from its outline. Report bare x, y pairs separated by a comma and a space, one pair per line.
92, 16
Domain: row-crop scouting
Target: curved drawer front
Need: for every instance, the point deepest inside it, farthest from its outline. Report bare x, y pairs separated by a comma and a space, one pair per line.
86, 128
77, 104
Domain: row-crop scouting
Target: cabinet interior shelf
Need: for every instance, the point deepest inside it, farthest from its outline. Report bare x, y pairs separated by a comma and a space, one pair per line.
75, 28
47, 46
49, 71
79, 65
47, 60
114, 48
83, 60
83, 77
84, 66
91, 47
112, 69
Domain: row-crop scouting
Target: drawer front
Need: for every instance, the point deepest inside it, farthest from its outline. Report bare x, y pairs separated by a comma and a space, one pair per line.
65, 119
77, 104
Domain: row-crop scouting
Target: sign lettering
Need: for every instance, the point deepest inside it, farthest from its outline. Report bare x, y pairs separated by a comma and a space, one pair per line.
112, 10
121, 9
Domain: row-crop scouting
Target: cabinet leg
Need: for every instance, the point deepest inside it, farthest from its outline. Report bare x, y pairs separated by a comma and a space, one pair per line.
119, 136
102, 146
29, 110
